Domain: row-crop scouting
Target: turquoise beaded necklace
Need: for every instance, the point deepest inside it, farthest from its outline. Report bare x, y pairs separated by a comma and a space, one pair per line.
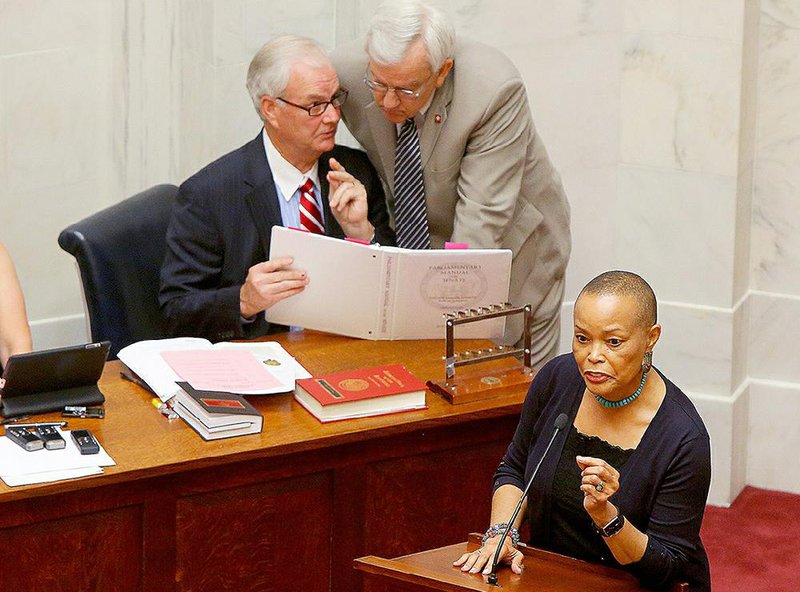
622, 402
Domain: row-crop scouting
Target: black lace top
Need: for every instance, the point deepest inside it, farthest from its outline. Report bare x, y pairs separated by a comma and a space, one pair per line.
573, 532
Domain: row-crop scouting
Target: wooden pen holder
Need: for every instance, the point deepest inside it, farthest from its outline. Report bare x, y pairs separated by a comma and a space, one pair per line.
484, 383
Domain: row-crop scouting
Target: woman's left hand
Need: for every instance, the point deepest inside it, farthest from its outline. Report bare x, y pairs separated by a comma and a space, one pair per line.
599, 481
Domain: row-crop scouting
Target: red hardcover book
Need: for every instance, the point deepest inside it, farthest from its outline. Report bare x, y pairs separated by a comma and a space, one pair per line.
361, 393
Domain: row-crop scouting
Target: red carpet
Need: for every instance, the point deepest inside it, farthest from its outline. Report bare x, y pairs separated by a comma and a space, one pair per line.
754, 545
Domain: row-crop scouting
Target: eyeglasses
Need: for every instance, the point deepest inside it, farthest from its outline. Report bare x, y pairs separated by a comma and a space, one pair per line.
317, 109
402, 93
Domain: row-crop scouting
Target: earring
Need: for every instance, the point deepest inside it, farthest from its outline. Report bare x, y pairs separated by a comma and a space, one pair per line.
647, 362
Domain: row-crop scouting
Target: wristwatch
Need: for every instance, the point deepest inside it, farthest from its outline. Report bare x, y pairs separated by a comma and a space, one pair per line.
613, 527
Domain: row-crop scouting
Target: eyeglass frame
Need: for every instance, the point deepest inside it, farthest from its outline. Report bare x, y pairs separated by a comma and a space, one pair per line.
400, 93
337, 100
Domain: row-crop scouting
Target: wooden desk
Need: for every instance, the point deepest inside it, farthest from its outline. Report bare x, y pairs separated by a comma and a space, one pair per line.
433, 570
287, 509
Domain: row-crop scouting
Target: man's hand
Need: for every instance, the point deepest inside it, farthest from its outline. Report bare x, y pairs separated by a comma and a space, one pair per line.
270, 282
348, 200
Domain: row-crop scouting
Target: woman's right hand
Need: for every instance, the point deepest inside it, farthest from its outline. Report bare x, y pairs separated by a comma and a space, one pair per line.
481, 559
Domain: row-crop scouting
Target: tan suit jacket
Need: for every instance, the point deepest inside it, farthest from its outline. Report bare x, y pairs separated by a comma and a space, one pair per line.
488, 179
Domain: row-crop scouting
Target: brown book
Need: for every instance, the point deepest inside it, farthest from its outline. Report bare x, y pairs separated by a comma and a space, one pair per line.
216, 415
361, 393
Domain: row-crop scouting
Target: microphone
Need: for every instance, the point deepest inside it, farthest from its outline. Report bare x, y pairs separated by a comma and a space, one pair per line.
559, 424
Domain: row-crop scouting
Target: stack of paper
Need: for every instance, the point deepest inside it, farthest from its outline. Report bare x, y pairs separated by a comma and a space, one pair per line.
20, 467
149, 359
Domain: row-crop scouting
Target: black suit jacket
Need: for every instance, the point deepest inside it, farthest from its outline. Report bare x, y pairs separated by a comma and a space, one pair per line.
220, 227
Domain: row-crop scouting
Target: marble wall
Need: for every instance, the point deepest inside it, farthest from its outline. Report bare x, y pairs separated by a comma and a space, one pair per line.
678, 198
774, 316
56, 148
672, 122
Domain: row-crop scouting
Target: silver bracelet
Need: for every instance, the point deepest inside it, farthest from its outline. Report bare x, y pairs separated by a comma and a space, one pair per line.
496, 529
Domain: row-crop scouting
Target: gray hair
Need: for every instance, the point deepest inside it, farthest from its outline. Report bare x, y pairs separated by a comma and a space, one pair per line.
399, 23
626, 283
269, 71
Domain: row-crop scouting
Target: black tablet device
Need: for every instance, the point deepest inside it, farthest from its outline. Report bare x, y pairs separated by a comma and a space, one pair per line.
48, 380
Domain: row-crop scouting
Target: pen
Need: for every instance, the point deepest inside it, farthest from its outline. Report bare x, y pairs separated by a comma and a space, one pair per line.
136, 381
14, 419
58, 424
163, 408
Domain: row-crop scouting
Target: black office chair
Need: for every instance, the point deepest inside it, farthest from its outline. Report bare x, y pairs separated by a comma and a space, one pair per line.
119, 252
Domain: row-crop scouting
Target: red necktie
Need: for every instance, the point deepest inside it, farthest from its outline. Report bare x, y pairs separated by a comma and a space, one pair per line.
310, 216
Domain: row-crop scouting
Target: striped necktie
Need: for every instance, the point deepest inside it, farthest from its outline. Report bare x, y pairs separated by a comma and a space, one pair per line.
310, 216
411, 215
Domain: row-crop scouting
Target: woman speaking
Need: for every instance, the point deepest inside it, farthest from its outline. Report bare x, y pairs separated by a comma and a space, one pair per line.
626, 483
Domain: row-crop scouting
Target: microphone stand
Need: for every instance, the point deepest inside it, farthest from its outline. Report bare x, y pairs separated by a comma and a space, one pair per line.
559, 424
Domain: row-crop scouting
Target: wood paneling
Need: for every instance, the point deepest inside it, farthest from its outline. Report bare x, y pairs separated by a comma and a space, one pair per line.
269, 536
100, 552
424, 501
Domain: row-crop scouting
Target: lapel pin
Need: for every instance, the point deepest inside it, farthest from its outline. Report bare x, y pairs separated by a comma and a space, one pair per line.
437, 118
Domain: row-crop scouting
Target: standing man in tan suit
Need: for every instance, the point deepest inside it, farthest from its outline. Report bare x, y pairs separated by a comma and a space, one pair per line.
457, 112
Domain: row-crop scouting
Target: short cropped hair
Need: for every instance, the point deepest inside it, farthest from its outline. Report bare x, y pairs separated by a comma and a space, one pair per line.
626, 283
269, 71
399, 23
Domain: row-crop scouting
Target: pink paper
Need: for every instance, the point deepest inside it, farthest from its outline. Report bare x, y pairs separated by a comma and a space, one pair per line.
226, 370
456, 246
356, 240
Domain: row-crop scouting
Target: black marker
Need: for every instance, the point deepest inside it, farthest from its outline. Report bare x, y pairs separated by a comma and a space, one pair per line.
14, 419
136, 381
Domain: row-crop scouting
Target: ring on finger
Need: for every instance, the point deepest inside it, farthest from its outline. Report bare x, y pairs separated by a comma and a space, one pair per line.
599, 487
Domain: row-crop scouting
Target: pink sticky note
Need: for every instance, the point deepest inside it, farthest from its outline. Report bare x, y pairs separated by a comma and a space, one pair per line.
456, 246
228, 370
291, 228
356, 240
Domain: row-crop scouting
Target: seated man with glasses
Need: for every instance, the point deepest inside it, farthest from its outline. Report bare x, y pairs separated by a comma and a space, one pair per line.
216, 280
448, 126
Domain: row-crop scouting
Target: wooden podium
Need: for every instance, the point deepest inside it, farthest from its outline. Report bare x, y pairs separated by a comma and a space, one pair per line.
544, 571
